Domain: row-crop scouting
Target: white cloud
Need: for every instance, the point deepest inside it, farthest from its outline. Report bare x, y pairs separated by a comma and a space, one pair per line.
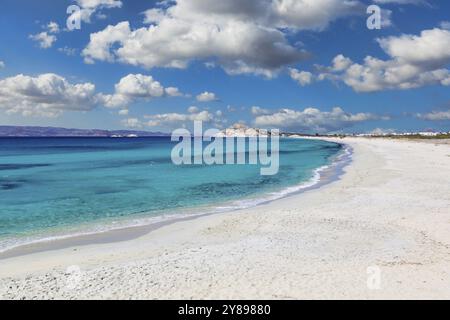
302, 77
416, 61
132, 123
445, 25
123, 112
100, 42
134, 87
139, 86
386, 18
173, 92
44, 39
206, 97
52, 27
435, 116
257, 111
155, 15
241, 124
239, 47
2, 64
400, 1
91, 7
46, 95
50, 94
178, 119
312, 119
47, 37
68, 51
242, 38
432, 47
193, 109
94, 4
382, 131
341, 63
312, 14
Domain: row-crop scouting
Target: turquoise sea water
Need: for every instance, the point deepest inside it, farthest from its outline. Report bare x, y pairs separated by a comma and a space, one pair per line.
55, 186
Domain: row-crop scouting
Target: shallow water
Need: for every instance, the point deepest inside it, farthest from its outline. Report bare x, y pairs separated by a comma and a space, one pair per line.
58, 185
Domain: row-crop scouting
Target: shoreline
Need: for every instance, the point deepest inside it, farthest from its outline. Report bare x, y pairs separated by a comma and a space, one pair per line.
389, 210
321, 176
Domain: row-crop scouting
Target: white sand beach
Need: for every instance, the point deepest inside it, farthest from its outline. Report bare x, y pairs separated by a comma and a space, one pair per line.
390, 210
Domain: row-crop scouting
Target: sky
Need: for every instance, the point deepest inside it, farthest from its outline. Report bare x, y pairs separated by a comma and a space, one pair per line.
294, 65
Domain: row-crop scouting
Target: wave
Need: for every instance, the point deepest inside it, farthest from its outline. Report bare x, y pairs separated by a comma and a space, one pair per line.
337, 164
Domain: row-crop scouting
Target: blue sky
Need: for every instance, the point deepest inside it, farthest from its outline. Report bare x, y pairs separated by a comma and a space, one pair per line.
245, 57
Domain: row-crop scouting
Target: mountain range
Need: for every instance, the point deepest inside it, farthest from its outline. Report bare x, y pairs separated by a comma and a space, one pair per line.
32, 131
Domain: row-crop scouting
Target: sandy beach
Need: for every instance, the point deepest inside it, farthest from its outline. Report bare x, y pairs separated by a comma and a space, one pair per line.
389, 212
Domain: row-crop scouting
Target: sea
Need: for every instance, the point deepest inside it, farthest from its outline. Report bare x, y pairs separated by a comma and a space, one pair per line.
53, 188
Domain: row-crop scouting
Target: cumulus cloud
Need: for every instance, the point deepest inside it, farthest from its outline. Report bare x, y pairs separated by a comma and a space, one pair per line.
134, 87
206, 97
123, 112
45, 95
431, 46
416, 61
172, 120
49, 94
47, 38
435, 116
312, 119
341, 63
193, 109
302, 77
100, 42
174, 92
312, 14
91, 7
2, 64
94, 4
44, 39
242, 37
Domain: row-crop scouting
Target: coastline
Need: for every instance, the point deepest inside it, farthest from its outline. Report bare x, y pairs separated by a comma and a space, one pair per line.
317, 244
129, 230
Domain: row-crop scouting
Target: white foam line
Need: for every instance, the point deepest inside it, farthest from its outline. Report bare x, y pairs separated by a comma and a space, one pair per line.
314, 180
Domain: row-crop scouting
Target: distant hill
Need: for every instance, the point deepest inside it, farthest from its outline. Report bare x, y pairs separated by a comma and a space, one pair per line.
19, 131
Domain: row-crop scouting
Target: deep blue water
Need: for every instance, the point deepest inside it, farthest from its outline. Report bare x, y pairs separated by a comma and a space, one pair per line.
49, 184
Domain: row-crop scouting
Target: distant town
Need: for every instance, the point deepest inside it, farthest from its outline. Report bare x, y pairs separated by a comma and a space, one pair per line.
410, 135
243, 131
